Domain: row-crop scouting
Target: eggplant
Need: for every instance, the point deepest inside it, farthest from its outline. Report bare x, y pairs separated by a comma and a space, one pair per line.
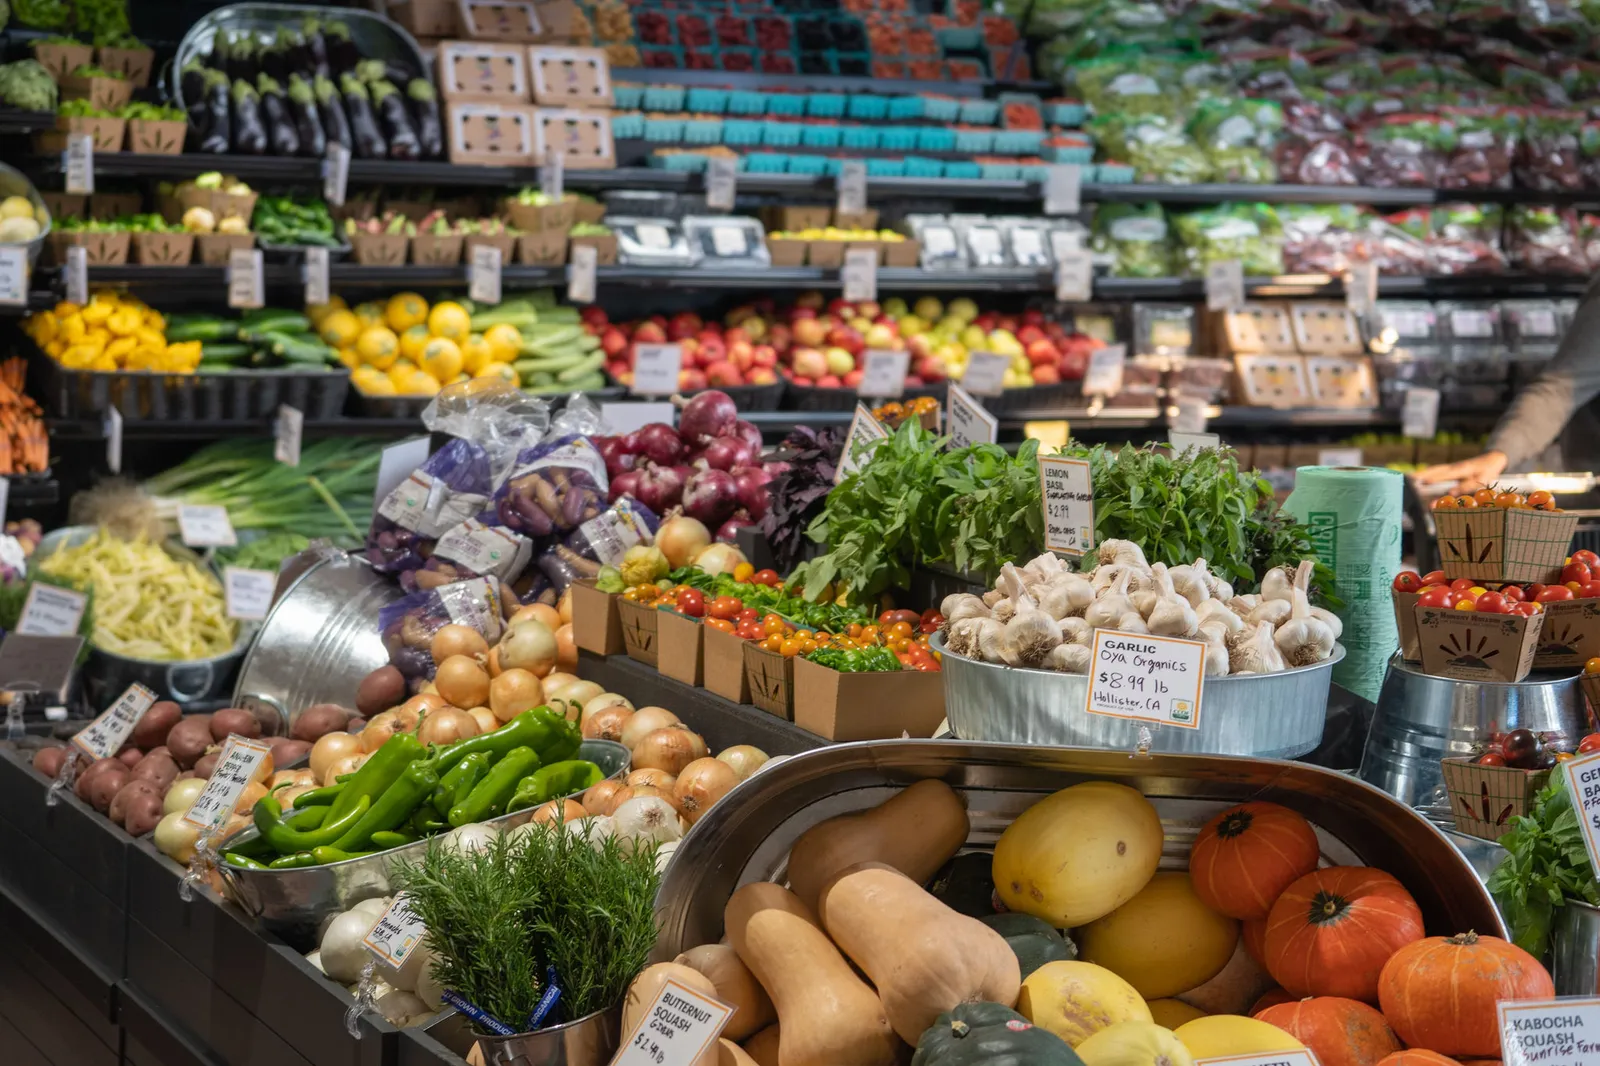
369, 143
316, 47
334, 123
275, 107
244, 59
342, 53
217, 106
274, 61
249, 135
396, 122
297, 57
425, 110
193, 82
307, 121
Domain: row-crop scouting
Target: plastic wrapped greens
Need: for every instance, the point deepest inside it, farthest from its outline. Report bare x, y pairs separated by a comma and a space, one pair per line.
1545, 240
1249, 233
1321, 238
1466, 239
554, 488
601, 541
1136, 238
1548, 155
1237, 136
1405, 150
1160, 151
1482, 149
455, 484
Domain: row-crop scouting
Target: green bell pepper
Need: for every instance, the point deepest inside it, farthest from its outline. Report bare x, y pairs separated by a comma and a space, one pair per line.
490, 796
553, 781
290, 841
417, 782
378, 773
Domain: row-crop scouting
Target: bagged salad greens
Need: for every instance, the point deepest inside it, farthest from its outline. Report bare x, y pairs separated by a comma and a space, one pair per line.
1250, 233
1546, 239
1137, 240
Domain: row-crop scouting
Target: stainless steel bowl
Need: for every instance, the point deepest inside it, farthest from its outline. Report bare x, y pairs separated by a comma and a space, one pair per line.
1277, 715
747, 836
1421, 719
14, 183
293, 903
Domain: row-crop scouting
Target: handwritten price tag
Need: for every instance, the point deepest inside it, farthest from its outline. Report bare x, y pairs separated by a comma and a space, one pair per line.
986, 374
969, 422
859, 275
1074, 277
291, 425
722, 182
483, 283
676, 1029
865, 431
1148, 678
396, 934
883, 373
205, 526
1583, 785
1275, 1058
1067, 495
77, 275
1419, 416
335, 174
315, 276
1224, 285
852, 187
655, 369
1104, 374
236, 766
1063, 189
51, 612
581, 274
248, 592
104, 737
1550, 1032
246, 278
13, 275
80, 163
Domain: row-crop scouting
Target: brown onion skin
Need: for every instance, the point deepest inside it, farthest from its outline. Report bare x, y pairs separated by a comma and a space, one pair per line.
597, 799
665, 749
701, 784
607, 724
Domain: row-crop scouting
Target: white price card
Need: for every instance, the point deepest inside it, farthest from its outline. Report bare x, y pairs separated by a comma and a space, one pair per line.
1190, 416
104, 737
1074, 277
13, 275
655, 369
395, 464
290, 425
1298, 1057
1419, 417
1182, 442
114, 440
676, 1028
247, 283
1471, 322
968, 422
1063, 189
1550, 1032
1583, 785
865, 431
722, 182
1340, 457
859, 275
1067, 496
483, 274
50, 611
397, 933
335, 173
1224, 285
80, 163
986, 374
205, 526
852, 183
248, 592
729, 242
883, 373
1361, 287
315, 276
77, 275
236, 766
1146, 677
621, 418
553, 176
581, 274
1104, 374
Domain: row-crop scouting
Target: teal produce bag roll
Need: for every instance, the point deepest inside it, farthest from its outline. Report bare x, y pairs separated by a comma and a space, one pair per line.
1354, 517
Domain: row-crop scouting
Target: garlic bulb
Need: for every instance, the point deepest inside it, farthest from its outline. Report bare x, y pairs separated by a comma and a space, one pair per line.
1303, 640
1144, 601
1046, 566
1277, 584
1172, 615
1111, 604
962, 637
1069, 658
1273, 612
1121, 553
1003, 610
1076, 631
1302, 581
1217, 658
1220, 589
1130, 622
1107, 576
961, 605
1064, 596
1243, 605
992, 597
1189, 582
1329, 619
1029, 635
991, 634
1218, 613
1257, 653
1011, 581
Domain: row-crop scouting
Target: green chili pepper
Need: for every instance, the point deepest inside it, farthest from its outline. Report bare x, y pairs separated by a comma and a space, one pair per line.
324, 855
557, 779
425, 821
539, 729
233, 858
384, 839
378, 772
490, 796
292, 862
399, 800
250, 843
456, 784
319, 797
289, 841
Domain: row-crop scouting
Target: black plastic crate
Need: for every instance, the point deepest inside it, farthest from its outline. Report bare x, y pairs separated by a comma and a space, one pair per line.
812, 398
1039, 398
744, 397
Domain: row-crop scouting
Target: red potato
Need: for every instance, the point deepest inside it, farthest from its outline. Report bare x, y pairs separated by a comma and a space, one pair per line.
47, 761
129, 756
152, 728
189, 739
160, 749
158, 769
141, 814
135, 786
286, 751
104, 786
232, 721
319, 719
207, 762
94, 770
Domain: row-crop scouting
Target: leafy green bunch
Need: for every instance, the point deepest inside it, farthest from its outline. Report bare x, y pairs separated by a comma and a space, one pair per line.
1547, 863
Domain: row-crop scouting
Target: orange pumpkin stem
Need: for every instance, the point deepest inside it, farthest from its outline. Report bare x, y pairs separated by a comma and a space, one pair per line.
1234, 824
1466, 939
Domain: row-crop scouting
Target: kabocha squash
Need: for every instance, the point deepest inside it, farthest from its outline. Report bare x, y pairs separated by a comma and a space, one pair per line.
1253, 932
1032, 940
763, 1047
1217, 1035
736, 985
1417, 1057
1076, 999
1270, 998
915, 831
1079, 854
1341, 1032
1162, 941
989, 1034
1440, 993
1331, 931
828, 1014
1173, 1012
923, 958
1135, 1044
1246, 856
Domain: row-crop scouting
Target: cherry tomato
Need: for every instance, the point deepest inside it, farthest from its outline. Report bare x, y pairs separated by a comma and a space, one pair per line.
1542, 500
1590, 742
1490, 758
1434, 577
899, 630
1562, 756
789, 648
1527, 609
1533, 590
1492, 603
1438, 597
1575, 571
720, 623
749, 614
1466, 603
889, 618
1575, 586
1485, 497
772, 642
1513, 592
692, 602
725, 607
768, 578
742, 572
1466, 502
1587, 558
1462, 584
1508, 500
1407, 581
773, 624
1554, 593
1444, 503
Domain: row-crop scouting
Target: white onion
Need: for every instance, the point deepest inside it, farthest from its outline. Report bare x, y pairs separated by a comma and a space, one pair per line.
474, 836
646, 818
181, 796
744, 759
664, 855
343, 954
769, 764
176, 838
401, 1008
428, 989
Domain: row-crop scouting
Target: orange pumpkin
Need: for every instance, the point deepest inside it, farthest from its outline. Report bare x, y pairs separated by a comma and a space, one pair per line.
1418, 1057
1331, 931
1253, 931
1246, 856
1341, 1032
1440, 993
1270, 998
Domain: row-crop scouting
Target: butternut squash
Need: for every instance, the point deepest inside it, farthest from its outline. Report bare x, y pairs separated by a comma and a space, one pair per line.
923, 957
735, 984
915, 832
763, 1047
731, 1054
644, 989
828, 1014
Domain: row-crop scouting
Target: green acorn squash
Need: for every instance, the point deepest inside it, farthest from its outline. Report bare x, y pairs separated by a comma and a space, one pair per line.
1034, 941
965, 885
990, 1034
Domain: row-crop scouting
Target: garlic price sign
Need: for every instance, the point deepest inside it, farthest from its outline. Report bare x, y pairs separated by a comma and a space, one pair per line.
104, 737
1550, 1032
1147, 678
235, 768
1583, 785
676, 1029
1067, 495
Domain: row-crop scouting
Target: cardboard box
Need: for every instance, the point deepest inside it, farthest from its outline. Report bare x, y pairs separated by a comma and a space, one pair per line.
906, 253
490, 133
1570, 635
678, 647
826, 254
1484, 799
503, 241
109, 205
156, 136
544, 248
1255, 329
62, 59
723, 668
64, 204
163, 249
379, 249
500, 20
1325, 328
477, 70
1405, 620
108, 134
866, 706
1432, 453
221, 204
103, 92
864, 219
430, 250
1272, 380
791, 217
99, 249
875, 247
786, 252
639, 627
583, 137
1472, 646
1339, 382
1384, 454
596, 626
605, 248
428, 18
532, 217
1493, 544
214, 248
564, 21
593, 211
134, 64
569, 77
770, 677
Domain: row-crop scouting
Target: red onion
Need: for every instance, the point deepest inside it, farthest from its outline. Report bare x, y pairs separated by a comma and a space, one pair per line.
658, 488
625, 483
711, 414
630, 443
748, 433
750, 485
614, 451
727, 533
726, 453
660, 443
709, 496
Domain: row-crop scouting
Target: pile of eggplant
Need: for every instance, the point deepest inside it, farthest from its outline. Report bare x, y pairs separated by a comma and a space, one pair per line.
303, 90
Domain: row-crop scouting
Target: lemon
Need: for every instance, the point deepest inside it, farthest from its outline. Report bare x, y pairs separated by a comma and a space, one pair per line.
404, 310
339, 328
504, 341
349, 358
369, 314
371, 381
413, 340
503, 371
16, 207
441, 359
379, 346
317, 312
401, 372
449, 320
419, 384
476, 354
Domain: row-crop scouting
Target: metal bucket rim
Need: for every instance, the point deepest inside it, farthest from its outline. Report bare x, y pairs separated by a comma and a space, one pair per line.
587, 1019
1535, 677
1331, 660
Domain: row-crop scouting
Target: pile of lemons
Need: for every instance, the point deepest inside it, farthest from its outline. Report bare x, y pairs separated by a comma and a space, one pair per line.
405, 347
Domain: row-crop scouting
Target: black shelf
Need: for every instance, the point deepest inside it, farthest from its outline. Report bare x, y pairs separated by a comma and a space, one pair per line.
94, 429
13, 120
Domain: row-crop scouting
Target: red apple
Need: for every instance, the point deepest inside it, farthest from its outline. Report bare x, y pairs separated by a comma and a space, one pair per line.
650, 332
594, 317
712, 350
616, 368
1033, 317
809, 300
852, 380
841, 307
764, 355
1073, 365
913, 381
741, 354
869, 309
1046, 375
738, 315
919, 346
683, 324
930, 369
724, 373
846, 338
1028, 334
829, 381
711, 331
762, 375
613, 341
735, 335
780, 337
691, 380
810, 332
809, 363
1008, 323
797, 313
1042, 353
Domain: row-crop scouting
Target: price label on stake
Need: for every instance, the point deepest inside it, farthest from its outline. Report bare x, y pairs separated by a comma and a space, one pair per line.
1063, 189
1419, 417
1224, 285
722, 183
969, 423
205, 526
1276, 1058
77, 275
1340, 457
1067, 496
395, 464
883, 373
335, 173
236, 765
865, 432
676, 1029
1182, 442
246, 278
1550, 1032
13, 275
50, 611
1191, 416
316, 277
104, 737
623, 418
986, 374
1583, 785
248, 592
286, 446
114, 440
397, 933
655, 369
581, 274
5, 498
852, 187
1103, 377
1361, 288
79, 163
483, 284
553, 176
859, 274
1075, 277
1146, 678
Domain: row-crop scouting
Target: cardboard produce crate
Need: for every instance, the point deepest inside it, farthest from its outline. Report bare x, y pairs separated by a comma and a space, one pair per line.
1484, 799
480, 70
640, 627
723, 668
1405, 620
493, 134
1570, 635
866, 706
569, 77
679, 651
1494, 544
771, 680
1473, 646
596, 625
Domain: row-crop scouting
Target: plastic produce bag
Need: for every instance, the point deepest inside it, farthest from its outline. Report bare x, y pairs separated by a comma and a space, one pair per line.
1548, 156
1404, 150
471, 549
1546, 240
1249, 233
1136, 238
1237, 136
1466, 240
498, 417
408, 625
554, 488
601, 541
1322, 238
1484, 145
454, 484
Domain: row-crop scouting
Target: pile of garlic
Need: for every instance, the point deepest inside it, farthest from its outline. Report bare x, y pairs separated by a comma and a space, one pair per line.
1043, 615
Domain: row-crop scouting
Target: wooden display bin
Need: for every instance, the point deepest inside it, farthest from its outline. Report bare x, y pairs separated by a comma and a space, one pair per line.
596, 626
679, 650
724, 670
866, 706
1495, 544
1484, 799
640, 628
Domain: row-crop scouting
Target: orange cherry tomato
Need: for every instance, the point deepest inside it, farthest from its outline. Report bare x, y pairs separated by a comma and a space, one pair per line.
1444, 503
898, 630
1485, 497
720, 623
1466, 502
1508, 499
1541, 499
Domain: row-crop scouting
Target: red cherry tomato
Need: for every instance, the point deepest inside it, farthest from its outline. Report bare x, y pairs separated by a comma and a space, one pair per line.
1434, 577
769, 578
1462, 584
1514, 593
1526, 610
1589, 743
692, 602
1554, 593
1407, 581
1575, 571
1587, 558
1533, 590
725, 607
1438, 597
1493, 603
1490, 758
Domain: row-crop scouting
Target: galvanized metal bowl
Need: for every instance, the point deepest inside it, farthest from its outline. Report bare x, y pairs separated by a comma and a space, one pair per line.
1277, 716
294, 903
747, 836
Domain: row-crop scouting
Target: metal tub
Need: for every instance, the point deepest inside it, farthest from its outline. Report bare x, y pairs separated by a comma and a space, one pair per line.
1575, 949
1277, 716
747, 836
294, 903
